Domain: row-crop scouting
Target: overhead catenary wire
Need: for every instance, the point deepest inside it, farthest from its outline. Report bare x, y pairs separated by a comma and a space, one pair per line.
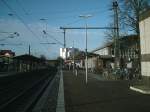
11, 44
22, 7
24, 10
45, 31
26, 13
5, 32
66, 17
54, 38
27, 27
76, 21
94, 10
62, 15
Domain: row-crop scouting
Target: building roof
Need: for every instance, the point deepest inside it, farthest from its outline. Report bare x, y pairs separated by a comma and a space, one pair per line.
106, 45
3, 52
27, 57
145, 14
128, 38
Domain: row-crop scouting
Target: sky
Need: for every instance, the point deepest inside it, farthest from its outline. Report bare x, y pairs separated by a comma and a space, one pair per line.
24, 17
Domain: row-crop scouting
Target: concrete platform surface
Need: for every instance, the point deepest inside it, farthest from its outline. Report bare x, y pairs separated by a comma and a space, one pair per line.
101, 95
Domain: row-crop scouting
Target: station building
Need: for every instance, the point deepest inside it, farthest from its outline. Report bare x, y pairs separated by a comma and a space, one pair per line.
145, 44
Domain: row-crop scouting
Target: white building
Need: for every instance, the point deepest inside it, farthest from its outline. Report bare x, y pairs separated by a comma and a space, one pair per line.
106, 50
63, 53
101, 57
145, 43
68, 52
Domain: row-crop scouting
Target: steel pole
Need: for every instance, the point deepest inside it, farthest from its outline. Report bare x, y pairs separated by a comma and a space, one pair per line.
86, 74
65, 44
29, 50
86, 53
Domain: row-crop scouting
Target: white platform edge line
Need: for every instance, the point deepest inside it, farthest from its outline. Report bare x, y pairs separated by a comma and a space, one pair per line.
60, 100
139, 90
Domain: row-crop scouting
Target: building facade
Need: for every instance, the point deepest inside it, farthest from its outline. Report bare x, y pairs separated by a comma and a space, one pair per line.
6, 60
106, 50
129, 51
66, 53
145, 43
63, 52
101, 58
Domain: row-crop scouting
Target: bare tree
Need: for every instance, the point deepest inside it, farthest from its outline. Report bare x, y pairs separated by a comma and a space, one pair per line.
129, 17
130, 13
109, 33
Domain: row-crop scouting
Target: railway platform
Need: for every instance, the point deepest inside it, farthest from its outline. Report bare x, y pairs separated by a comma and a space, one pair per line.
100, 95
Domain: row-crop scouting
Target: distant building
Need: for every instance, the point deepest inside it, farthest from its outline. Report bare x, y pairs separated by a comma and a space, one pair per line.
145, 43
24, 63
63, 52
106, 50
7, 53
104, 57
6, 60
128, 53
93, 62
66, 53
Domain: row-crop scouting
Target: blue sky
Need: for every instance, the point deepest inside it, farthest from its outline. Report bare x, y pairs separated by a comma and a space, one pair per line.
57, 13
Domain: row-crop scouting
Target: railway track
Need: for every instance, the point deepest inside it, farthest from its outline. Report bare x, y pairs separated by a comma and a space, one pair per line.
21, 92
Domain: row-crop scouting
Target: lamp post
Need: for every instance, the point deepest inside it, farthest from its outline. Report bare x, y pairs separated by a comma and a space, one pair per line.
86, 66
73, 59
